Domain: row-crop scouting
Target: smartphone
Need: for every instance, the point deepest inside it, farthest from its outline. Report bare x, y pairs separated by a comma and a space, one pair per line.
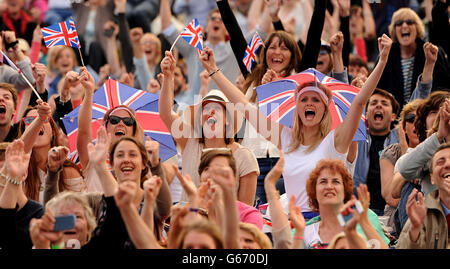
109, 32
65, 222
343, 219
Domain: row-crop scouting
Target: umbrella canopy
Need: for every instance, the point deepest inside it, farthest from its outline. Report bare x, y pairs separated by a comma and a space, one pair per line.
277, 99
145, 104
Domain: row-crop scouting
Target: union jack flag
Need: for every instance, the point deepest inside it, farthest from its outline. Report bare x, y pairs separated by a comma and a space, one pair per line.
251, 50
277, 99
192, 33
112, 94
62, 33
4, 59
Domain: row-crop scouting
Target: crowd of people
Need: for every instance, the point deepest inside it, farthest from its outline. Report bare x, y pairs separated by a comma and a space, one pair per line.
239, 179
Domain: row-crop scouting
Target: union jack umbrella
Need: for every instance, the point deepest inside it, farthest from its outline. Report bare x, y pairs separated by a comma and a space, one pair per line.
277, 99
62, 33
251, 50
145, 104
192, 33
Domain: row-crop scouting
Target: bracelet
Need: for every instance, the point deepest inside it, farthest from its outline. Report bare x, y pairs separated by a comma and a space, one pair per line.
194, 209
218, 69
13, 181
298, 237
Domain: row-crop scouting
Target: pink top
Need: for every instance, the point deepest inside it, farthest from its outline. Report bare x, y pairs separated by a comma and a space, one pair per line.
249, 214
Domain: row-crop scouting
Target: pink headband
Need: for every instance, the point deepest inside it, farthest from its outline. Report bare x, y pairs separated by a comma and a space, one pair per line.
313, 89
123, 108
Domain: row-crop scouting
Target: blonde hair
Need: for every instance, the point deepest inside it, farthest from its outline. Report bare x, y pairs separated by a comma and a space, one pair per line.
55, 52
402, 14
260, 238
297, 125
153, 37
69, 197
408, 108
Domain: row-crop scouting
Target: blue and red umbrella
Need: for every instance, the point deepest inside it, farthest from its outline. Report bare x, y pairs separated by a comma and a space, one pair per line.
277, 99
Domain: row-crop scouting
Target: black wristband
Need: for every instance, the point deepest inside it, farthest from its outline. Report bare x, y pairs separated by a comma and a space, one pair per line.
10, 45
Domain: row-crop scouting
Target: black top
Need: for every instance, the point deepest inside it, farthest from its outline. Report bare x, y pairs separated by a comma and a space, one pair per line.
373, 177
14, 225
13, 133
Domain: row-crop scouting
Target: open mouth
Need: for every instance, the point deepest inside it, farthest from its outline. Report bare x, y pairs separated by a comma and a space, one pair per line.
216, 28
71, 232
447, 176
405, 34
2, 109
119, 133
277, 60
309, 114
211, 121
319, 63
329, 194
378, 116
127, 170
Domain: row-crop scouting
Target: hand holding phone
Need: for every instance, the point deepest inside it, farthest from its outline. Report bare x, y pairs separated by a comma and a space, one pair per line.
65, 222
345, 216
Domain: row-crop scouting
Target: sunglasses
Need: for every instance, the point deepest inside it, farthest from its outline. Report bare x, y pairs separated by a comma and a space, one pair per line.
400, 22
410, 118
128, 121
28, 120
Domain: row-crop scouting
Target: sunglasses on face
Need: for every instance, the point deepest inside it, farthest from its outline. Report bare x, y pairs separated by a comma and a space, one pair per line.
128, 121
28, 120
400, 22
410, 118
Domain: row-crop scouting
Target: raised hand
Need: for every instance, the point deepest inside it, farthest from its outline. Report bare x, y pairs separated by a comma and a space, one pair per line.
39, 74
359, 81
402, 139
87, 80
296, 216
273, 6
187, 183
337, 42
205, 79
416, 211
269, 76
125, 194
99, 152
153, 86
275, 173
151, 188
364, 198
207, 59
127, 79
111, 26
384, 46
224, 177
16, 160
37, 34
347, 209
168, 64
44, 110
344, 8
152, 148
431, 52
136, 35
56, 157
444, 121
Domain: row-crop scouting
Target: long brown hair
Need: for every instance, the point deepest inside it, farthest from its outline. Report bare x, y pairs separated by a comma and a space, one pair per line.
297, 126
33, 182
255, 77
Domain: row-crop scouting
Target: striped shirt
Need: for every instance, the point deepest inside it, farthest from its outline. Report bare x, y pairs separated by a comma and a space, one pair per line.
407, 69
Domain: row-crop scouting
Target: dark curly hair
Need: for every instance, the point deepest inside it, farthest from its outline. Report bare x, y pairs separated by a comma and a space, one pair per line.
432, 103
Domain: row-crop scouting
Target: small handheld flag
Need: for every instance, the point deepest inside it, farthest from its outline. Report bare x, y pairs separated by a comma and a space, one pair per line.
62, 33
4, 59
251, 50
192, 33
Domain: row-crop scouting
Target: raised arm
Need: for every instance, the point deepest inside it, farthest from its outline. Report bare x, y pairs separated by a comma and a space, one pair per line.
166, 98
312, 46
32, 132
237, 39
369, 21
84, 136
140, 234
346, 131
264, 126
112, 57
98, 155
55, 161
124, 35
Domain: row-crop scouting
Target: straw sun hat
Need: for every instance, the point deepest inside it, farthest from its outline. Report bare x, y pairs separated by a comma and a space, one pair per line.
194, 113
